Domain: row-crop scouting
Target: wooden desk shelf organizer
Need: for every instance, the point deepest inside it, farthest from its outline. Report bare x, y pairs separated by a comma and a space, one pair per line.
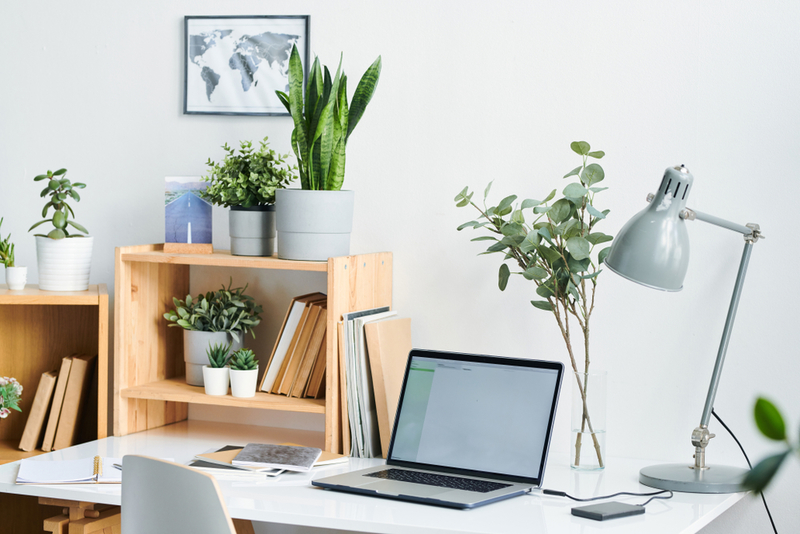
149, 388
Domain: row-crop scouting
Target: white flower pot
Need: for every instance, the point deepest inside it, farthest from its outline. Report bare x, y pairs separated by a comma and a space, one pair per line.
64, 264
16, 278
243, 383
313, 225
216, 380
195, 345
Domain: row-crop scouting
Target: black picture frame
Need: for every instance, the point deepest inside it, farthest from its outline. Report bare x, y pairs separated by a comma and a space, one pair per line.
229, 70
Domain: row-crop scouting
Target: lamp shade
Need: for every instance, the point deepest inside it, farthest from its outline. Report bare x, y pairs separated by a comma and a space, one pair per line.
652, 249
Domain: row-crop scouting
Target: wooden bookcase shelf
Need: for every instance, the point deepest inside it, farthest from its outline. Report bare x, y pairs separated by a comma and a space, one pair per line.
149, 388
37, 329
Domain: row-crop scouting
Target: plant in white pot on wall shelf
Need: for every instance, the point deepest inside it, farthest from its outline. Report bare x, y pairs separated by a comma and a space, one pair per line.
314, 222
224, 316
246, 183
64, 257
216, 375
244, 373
16, 276
555, 244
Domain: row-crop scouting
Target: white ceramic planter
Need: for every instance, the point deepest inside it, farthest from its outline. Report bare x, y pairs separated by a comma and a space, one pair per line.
195, 345
216, 380
243, 383
313, 225
16, 278
64, 264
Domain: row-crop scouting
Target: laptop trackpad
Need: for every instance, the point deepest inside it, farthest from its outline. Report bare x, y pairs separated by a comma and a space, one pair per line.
401, 488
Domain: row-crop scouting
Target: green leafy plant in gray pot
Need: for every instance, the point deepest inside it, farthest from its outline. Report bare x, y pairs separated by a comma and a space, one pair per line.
554, 243
224, 316
16, 276
314, 223
246, 183
64, 254
244, 373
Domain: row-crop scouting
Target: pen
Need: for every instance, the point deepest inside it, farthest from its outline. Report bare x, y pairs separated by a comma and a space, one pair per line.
118, 466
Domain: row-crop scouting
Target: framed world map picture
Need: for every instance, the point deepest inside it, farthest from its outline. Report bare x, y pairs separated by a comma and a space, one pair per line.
234, 64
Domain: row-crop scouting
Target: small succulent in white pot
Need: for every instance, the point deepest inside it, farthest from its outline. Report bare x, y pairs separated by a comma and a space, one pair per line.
16, 276
244, 373
216, 374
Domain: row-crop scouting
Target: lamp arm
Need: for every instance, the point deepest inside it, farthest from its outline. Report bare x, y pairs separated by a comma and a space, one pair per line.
748, 230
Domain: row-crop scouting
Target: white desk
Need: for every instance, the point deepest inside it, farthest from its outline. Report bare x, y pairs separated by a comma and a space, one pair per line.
291, 500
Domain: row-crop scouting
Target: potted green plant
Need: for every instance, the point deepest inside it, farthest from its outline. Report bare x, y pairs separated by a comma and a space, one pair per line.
314, 222
555, 244
64, 257
16, 277
223, 316
216, 374
244, 373
10, 392
246, 183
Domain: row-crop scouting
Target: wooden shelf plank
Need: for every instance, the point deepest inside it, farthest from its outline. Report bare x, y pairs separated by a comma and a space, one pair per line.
33, 295
9, 451
223, 258
177, 390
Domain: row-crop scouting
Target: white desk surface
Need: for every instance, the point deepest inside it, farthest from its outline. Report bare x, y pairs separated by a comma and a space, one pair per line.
292, 500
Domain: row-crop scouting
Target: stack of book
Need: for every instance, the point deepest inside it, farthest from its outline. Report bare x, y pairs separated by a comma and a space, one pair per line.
58, 405
296, 367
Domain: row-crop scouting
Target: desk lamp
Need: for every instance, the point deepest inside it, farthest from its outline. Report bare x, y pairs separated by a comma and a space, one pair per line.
652, 249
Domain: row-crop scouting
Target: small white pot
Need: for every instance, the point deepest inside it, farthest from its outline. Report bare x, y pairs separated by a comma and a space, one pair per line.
215, 380
16, 278
64, 264
195, 345
243, 383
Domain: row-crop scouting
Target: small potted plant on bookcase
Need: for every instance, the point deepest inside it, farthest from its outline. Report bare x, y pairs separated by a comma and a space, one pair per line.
10, 392
16, 277
64, 259
246, 183
223, 316
314, 222
244, 373
216, 374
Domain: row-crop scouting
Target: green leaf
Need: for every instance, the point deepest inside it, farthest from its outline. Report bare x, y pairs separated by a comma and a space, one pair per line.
769, 420
57, 233
484, 238
59, 172
544, 291
574, 172
529, 203
502, 280
512, 229
597, 154
595, 238
542, 305
575, 190
505, 203
78, 227
601, 256
497, 247
53, 184
545, 233
40, 177
486, 191
758, 478
541, 209
579, 247
535, 273
364, 91
592, 174
550, 197
560, 211
594, 213
580, 147
470, 224
597, 189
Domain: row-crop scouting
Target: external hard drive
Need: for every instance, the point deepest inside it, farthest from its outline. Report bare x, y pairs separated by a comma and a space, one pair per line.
608, 510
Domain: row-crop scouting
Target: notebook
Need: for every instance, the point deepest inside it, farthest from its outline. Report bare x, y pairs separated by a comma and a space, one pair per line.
94, 470
469, 430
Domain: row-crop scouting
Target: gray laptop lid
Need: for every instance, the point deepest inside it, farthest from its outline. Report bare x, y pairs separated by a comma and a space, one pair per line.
474, 415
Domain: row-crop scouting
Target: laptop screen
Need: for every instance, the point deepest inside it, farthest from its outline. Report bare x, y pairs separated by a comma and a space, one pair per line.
476, 413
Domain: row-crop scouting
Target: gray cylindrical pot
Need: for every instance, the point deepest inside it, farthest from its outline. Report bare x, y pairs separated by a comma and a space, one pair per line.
313, 225
252, 230
195, 345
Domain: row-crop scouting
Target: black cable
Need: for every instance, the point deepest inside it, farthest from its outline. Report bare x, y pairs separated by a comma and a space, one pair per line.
763, 498
655, 495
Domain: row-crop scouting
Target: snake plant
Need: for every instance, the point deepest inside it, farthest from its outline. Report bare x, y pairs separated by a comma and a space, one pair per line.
323, 119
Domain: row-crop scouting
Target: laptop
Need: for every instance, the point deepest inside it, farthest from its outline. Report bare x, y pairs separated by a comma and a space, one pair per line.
469, 430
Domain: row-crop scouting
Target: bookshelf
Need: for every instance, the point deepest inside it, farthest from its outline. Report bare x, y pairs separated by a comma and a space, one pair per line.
148, 386
38, 328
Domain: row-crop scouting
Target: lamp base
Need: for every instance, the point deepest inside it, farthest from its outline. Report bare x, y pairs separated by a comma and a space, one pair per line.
682, 477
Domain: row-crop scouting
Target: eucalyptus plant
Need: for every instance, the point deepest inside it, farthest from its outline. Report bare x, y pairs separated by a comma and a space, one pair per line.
771, 424
59, 189
218, 355
6, 249
244, 360
225, 310
248, 178
554, 243
323, 119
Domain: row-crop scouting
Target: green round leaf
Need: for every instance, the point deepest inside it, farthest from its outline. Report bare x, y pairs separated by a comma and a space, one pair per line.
579, 247
542, 305
560, 211
769, 420
592, 174
574, 190
59, 220
53, 184
580, 147
503, 277
758, 478
58, 233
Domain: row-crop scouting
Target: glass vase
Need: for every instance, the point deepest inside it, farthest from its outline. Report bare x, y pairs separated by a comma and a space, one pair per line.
589, 395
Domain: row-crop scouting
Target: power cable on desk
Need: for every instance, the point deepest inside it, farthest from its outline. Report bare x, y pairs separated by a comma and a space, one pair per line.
763, 498
652, 495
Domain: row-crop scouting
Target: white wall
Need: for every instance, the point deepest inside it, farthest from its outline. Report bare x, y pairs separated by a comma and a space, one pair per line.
471, 91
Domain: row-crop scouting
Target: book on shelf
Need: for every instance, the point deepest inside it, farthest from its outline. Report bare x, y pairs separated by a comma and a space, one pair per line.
77, 389
287, 339
96, 470
306, 329
58, 401
388, 346
311, 353
38, 412
288, 457
315, 388
344, 416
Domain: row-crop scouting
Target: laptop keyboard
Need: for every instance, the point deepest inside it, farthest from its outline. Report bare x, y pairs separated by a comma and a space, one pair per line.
442, 481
